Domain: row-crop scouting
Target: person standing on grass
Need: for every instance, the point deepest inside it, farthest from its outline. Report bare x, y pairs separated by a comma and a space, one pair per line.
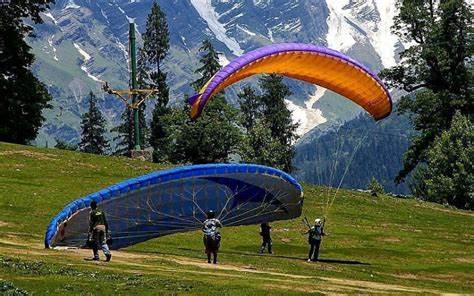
265, 229
212, 236
98, 229
315, 235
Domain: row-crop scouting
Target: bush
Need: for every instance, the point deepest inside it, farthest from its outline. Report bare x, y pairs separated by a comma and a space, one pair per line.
451, 165
375, 187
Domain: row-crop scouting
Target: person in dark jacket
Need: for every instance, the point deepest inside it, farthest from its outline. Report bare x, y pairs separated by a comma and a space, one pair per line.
98, 229
315, 235
265, 229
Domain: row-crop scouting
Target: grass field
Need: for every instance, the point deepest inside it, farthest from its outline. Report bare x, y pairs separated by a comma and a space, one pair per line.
376, 245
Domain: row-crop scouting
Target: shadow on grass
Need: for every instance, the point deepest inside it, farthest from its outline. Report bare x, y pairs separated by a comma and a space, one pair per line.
338, 261
321, 260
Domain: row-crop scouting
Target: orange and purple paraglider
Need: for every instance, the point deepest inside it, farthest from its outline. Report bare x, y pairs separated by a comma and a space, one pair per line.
314, 64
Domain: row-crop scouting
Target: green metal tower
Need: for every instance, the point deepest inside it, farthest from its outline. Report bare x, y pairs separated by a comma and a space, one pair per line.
133, 84
135, 96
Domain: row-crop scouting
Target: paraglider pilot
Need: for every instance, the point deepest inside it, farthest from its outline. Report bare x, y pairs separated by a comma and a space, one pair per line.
212, 237
98, 229
265, 229
315, 235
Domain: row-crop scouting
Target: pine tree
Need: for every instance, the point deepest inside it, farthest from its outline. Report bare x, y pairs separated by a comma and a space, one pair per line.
250, 107
435, 70
93, 129
63, 145
156, 37
155, 49
210, 64
215, 135
125, 138
23, 97
277, 117
375, 187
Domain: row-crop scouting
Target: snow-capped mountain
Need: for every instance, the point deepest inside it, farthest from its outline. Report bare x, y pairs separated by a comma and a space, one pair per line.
85, 42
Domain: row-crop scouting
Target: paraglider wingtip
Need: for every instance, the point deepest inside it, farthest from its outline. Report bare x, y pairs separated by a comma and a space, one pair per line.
193, 99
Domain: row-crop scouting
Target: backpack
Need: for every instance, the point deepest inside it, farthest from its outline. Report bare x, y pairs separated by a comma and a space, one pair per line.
314, 234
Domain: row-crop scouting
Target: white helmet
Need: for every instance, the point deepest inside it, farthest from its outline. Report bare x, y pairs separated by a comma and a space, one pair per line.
317, 221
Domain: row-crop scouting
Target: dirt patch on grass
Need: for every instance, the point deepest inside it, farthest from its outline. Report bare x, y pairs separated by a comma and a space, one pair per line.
32, 154
375, 287
3, 224
446, 210
465, 260
230, 267
389, 239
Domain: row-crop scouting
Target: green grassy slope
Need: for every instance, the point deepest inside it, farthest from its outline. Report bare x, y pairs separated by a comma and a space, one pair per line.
376, 245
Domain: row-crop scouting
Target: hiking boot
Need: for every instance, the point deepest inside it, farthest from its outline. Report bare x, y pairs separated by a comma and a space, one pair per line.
91, 259
108, 257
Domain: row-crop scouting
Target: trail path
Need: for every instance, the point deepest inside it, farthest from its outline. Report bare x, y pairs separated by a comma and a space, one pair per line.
146, 263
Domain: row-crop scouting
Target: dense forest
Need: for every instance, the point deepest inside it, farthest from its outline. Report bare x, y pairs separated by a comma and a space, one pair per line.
360, 149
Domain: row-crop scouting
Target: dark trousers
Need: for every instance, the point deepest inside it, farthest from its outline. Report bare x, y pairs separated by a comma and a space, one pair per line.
314, 250
99, 239
267, 243
212, 244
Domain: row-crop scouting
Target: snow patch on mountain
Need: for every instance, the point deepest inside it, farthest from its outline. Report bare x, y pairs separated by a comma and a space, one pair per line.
261, 3
87, 57
351, 21
129, 19
124, 50
340, 33
318, 94
83, 53
270, 35
208, 14
383, 40
71, 4
246, 30
306, 118
104, 15
51, 44
235, 6
50, 16
223, 61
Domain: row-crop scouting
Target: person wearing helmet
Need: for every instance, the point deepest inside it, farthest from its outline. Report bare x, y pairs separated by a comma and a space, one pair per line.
212, 236
315, 235
265, 229
98, 229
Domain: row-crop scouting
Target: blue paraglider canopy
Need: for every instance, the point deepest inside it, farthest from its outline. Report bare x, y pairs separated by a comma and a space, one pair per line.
176, 200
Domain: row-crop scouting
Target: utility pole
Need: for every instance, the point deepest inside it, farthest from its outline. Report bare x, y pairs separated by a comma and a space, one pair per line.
133, 82
135, 96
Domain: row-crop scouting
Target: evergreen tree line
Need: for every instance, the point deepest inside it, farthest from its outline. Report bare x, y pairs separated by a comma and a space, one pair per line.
356, 152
